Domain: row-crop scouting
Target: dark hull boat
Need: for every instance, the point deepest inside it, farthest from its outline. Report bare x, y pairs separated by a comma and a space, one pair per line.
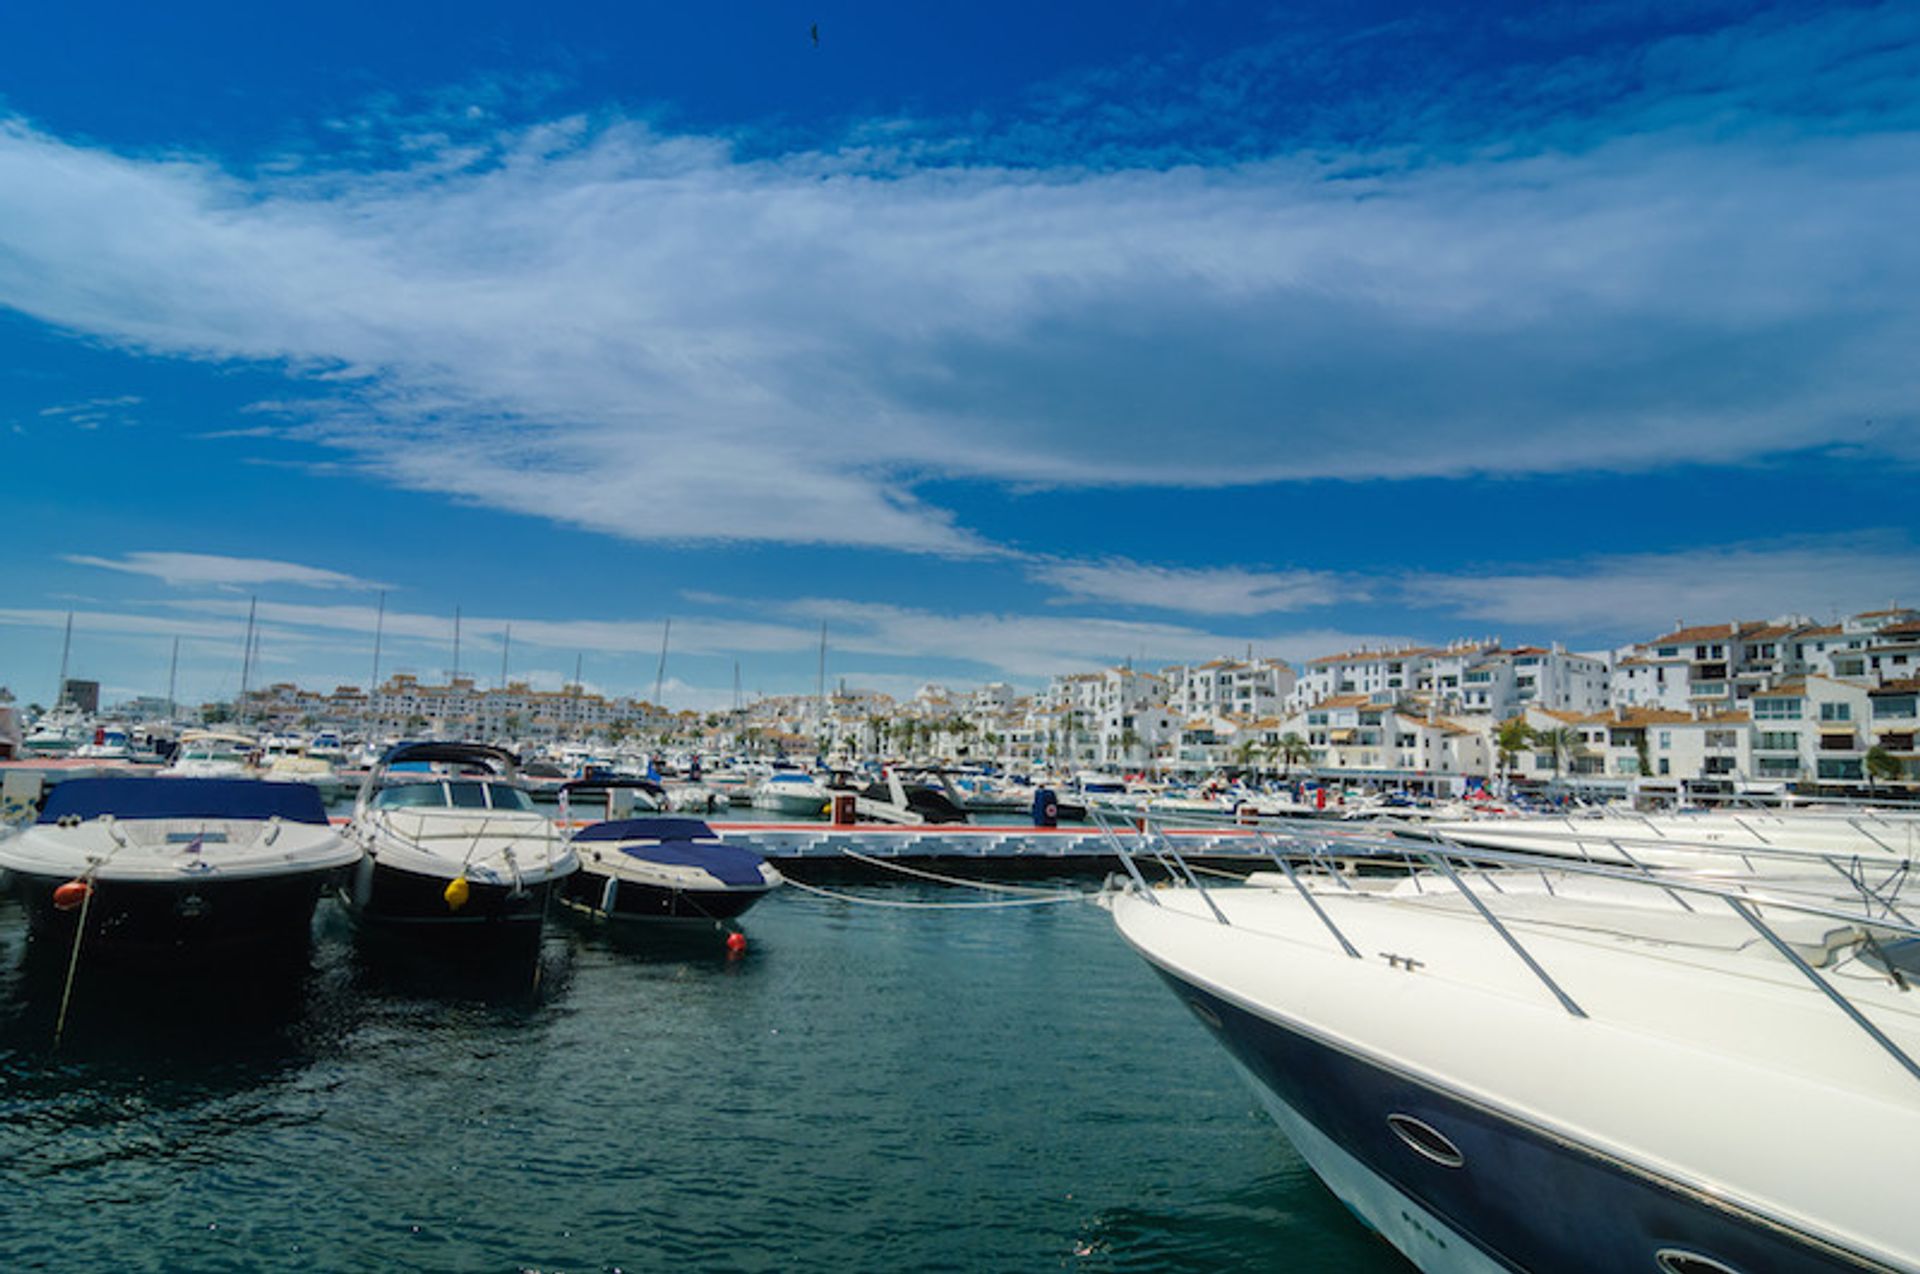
453, 848
1571, 1067
664, 871
175, 868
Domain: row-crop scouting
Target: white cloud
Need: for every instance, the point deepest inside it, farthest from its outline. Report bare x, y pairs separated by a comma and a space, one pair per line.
1227, 590
209, 569
652, 337
1639, 595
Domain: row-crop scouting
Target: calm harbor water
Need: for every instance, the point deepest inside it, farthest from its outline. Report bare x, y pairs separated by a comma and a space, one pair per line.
868, 1089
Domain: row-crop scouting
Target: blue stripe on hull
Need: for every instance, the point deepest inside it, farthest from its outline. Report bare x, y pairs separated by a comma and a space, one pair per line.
1523, 1197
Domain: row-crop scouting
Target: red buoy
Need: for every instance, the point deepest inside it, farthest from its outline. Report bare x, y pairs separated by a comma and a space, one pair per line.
736, 943
70, 895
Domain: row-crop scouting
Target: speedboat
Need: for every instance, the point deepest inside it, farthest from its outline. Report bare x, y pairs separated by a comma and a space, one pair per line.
212, 754
174, 867
671, 870
1548, 1065
452, 845
791, 792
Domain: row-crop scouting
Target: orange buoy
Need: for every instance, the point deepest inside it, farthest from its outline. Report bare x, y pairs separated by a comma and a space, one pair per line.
70, 895
736, 943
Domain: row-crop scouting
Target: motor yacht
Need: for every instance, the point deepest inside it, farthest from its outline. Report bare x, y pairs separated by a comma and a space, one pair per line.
792, 792
174, 867
664, 871
213, 754
452, 845
1503, 1061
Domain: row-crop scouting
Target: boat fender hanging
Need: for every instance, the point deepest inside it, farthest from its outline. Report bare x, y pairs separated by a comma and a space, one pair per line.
70, 895
736, 943
456, 893
608, 893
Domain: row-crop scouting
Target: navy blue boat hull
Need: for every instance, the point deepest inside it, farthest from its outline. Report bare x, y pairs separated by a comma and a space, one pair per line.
382, 897
192, 918
1523, 1197
586, 892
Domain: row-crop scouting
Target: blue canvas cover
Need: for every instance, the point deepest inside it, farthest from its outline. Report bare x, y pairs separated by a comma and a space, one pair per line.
647, 829
728, 864
680, 842
134, 798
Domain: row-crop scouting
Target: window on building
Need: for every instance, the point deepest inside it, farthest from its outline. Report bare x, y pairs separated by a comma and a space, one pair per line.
1836, 712
1776, 709
1896, 706
1777, 741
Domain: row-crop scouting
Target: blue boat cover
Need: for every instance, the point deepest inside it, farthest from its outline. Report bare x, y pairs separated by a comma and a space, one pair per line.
671, 842
728, 864
647, 829
184, 798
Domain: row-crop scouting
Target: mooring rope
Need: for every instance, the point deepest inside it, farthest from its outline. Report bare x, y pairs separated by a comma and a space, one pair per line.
935, 906
983, 886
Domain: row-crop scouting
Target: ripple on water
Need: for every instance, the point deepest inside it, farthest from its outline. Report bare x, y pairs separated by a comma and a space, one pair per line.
866, 1090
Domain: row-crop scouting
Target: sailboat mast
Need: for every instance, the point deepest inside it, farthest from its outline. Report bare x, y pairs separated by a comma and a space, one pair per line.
506, 644
246, 658
173, 672
66, 647
660, 674
379, 627
456, 646
820, 685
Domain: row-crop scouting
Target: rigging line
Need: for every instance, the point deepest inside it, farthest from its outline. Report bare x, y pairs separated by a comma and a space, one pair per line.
935, 906
947, 880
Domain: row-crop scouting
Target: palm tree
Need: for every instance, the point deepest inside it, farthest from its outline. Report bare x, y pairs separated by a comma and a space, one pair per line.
1561, 741
1291, 750
1244, 753
1510, 740
1129, 740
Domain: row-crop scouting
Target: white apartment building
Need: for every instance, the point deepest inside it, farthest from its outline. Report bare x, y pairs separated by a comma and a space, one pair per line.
1248, 688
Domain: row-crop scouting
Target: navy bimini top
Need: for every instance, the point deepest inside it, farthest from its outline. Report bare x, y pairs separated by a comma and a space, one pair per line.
184, 798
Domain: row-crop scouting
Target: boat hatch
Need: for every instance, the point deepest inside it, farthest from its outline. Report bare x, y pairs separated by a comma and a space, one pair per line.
1426, 1140
1674, 1261
188, 838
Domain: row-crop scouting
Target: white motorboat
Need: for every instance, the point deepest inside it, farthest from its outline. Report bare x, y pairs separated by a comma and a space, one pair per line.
792, 793
1563, 1066
57, 731
213, 754
453, 846
109, 743
174, 867
665, 871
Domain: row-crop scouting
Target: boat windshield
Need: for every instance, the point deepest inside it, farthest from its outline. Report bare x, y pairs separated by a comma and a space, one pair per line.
463, 794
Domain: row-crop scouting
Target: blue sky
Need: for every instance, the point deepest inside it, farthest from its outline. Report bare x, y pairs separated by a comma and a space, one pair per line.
1005, 340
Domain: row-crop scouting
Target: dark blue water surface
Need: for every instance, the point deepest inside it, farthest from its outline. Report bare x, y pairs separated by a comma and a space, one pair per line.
867, 1089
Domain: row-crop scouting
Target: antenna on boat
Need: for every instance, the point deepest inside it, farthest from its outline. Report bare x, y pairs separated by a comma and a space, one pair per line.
66, 645
379, 626
660, 674
246, 658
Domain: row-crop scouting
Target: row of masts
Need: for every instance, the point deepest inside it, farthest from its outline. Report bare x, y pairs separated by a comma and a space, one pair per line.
250, 656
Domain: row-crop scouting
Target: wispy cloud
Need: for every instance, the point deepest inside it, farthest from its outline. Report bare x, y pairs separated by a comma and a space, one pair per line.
1637, 595
817, 334
212, 570
1226, 590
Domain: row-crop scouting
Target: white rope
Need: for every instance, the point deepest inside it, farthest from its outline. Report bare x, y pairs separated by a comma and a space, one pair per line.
948, 880
934, 906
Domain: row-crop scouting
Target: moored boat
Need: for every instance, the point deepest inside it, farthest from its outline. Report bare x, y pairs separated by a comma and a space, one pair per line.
453, 846
174, 867
1568, 1066
664, 871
